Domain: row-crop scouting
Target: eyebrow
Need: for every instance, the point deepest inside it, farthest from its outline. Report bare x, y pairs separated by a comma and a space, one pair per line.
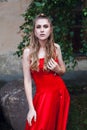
43, 25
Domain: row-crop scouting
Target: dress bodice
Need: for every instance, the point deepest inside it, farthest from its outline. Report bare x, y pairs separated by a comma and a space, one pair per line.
43, 77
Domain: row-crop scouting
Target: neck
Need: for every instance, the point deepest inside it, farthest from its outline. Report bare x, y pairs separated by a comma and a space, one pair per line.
42, 43
41, 52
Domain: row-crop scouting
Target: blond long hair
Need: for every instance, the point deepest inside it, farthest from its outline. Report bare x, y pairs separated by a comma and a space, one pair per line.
35, 46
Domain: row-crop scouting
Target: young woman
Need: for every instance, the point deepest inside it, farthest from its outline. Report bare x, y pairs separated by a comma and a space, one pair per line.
43, 62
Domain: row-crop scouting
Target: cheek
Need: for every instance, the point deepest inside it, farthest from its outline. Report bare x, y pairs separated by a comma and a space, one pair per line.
36, 32
48, 31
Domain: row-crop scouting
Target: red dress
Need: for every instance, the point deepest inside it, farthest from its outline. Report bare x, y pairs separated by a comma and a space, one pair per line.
51, 101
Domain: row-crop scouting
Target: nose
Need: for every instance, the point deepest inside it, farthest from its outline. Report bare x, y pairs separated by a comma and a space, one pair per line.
42, 29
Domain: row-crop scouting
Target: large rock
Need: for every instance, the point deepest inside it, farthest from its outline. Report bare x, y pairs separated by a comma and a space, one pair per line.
10, 67
14, 104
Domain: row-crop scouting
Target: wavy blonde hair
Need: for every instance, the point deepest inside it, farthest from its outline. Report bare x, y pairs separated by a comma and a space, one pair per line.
35, 46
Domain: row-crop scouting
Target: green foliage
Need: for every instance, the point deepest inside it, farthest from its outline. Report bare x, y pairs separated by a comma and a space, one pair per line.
63, 20
84, 32
78, 112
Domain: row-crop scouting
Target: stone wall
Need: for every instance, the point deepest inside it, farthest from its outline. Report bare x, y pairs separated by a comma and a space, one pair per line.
10, 20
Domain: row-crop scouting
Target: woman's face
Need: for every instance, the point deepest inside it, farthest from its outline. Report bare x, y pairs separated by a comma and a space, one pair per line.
42, 29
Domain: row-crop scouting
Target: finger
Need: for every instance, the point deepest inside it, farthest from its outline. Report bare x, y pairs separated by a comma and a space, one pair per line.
53, 61
49, 67
51, 64
29, 121
35, 118
30, 124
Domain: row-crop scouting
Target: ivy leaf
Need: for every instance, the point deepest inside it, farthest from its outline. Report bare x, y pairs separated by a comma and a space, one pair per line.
71, 33
38, 4
85, 121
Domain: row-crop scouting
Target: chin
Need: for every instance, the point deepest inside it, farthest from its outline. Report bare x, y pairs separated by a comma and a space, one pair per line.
42, 39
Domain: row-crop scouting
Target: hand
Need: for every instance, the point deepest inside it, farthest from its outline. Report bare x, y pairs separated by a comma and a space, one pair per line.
52, 64
31, 114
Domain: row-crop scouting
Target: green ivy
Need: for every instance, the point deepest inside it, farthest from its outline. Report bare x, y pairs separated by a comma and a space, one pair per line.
63, 20
84, 32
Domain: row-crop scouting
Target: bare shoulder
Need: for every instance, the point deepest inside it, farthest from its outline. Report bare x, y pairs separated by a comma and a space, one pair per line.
57, 46
26, 52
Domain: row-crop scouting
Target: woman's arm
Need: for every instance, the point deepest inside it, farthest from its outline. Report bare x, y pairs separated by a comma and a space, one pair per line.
59, 67
27, 77
28, 85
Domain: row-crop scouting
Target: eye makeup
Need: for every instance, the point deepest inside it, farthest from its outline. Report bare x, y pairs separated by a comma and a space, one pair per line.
46, 26
39, 26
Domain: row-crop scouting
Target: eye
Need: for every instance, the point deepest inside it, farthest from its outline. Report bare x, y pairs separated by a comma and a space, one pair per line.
38, 26
45, 26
